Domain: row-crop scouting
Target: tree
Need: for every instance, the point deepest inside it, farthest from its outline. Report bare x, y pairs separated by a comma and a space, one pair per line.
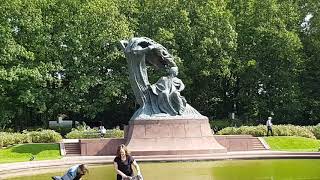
201, 36
60, 57
22, 67
269, 45
311, 40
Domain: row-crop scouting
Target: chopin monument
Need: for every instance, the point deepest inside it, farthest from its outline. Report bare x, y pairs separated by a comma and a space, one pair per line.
164, 123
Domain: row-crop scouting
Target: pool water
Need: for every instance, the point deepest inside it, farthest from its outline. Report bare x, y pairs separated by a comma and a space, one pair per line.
280, 169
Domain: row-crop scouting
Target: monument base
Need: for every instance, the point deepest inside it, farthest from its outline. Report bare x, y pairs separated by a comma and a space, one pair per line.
171, 137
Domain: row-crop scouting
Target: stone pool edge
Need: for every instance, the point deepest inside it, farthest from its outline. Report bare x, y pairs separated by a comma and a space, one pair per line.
38, 167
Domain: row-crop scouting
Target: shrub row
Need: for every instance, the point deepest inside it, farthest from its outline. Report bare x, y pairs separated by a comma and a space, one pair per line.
278, 130
315, 130
219, 124
44, 136
85, 132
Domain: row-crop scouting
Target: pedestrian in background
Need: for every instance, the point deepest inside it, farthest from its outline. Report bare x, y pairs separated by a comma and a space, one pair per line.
269, 126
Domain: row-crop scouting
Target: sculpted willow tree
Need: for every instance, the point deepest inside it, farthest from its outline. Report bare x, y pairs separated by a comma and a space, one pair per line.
163, 98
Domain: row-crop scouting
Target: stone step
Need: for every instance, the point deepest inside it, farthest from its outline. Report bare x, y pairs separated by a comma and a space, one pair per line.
73, 152
71, 145
240, 142
72, 149
257, 145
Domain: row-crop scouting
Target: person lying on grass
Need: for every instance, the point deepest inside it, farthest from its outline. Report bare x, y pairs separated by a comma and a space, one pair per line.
74, 173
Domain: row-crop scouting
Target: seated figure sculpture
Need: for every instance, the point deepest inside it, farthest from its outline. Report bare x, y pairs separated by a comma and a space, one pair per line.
167, 90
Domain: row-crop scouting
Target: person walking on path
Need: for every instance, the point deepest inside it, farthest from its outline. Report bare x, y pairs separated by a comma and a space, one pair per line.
102, 131
123, 164
269, 126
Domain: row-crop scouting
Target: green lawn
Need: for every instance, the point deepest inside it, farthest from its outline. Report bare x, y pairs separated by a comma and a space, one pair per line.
293, 143
23, 152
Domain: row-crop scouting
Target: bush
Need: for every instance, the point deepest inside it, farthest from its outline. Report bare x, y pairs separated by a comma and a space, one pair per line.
253, 130
114, 133
22, 138
223, 123
7, 138
291, 130
62, 130
219, 124
315, 130
44, 136
261, 130
85, 132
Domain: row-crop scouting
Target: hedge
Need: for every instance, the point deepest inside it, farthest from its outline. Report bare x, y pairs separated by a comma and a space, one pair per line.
278, 130
85, 132
44, 136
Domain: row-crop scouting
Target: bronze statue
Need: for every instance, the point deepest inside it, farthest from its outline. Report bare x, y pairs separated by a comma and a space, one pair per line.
162, 99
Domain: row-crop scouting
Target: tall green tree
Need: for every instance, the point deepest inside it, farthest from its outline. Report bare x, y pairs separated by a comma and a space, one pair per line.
60, 57
269, 49
202, 37
23, 68
309, 79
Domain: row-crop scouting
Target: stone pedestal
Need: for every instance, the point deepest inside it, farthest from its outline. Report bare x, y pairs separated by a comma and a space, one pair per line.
100, 147
171, 137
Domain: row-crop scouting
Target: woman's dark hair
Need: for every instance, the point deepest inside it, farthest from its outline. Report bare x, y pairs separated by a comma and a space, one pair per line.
84, 169
122, 146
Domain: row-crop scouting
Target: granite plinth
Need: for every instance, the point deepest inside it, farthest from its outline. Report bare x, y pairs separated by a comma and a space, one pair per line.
100, 147
171, 137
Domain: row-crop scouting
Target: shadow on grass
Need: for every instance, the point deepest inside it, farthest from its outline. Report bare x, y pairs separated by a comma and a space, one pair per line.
34, 149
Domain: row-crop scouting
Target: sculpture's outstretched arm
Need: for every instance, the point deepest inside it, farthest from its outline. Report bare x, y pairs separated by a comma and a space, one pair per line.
182, 86
124, 44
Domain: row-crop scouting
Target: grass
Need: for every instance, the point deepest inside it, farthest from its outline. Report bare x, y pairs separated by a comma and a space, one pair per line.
24, 152
293, 143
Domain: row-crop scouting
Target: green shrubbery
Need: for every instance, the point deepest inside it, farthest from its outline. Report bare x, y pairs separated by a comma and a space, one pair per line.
219, 124
278, 130
85, 132
62, 130
114, 133
315, 130
13, 138
44, 136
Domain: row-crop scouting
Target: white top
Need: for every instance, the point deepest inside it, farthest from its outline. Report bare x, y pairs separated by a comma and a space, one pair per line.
269, 123
103, 130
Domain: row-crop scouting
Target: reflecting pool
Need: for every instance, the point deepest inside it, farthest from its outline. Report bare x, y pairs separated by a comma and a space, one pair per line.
279, 169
